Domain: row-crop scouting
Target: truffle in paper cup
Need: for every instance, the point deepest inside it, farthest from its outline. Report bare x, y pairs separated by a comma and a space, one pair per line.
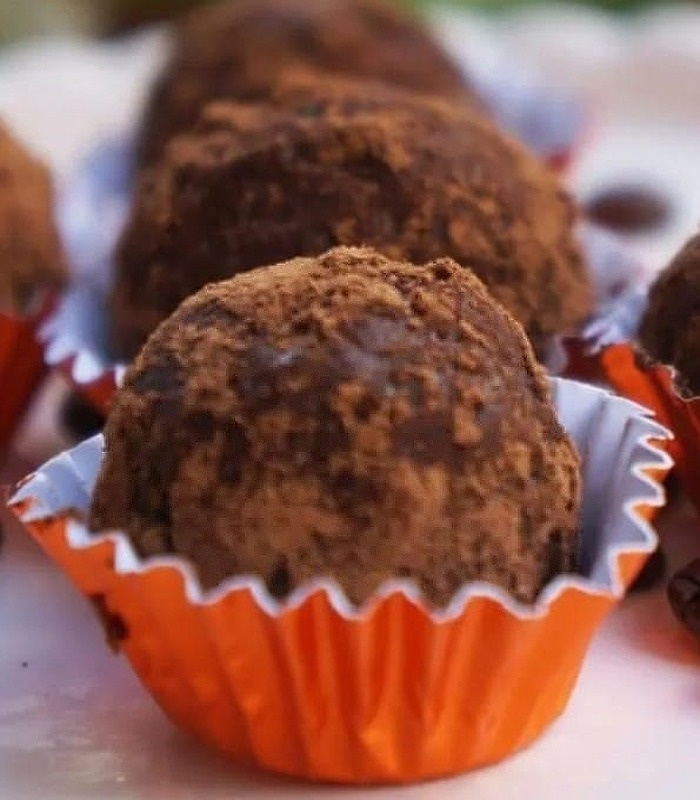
391, 692
654, 386
612, 357
93, 211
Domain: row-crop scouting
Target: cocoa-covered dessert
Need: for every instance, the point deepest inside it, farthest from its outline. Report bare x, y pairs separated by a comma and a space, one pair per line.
345, 416
327, 162
670, 330
236, 49
30, 253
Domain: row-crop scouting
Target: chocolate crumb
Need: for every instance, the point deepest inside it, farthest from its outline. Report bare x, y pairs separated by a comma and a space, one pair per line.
113, 625
629, 209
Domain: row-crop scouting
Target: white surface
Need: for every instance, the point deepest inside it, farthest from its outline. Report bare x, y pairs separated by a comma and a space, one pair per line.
641, 79
75, 724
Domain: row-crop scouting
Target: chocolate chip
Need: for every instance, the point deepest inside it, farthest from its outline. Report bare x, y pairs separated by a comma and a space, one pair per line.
629, 209
652, 573
114, 626
684, 596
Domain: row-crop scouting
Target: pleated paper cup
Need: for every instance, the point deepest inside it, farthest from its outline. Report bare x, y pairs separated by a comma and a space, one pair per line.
21, 366
391, 692
609, 354
93, 206
655, 386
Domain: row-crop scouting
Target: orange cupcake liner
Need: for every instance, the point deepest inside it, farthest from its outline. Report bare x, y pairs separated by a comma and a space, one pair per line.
21, 368
653, 386
388, 693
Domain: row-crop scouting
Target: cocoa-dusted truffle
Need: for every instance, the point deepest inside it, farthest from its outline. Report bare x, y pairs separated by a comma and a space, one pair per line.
235, 50
330, 162
670, 331
344, 416
30, 252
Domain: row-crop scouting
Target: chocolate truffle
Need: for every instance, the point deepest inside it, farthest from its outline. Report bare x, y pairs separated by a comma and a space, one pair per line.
670, 330
329, 162
345, 416
30, 252
235, 50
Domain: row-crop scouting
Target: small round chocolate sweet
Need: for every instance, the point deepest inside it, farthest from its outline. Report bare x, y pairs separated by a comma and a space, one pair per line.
327, 162
30, 253
670, 330
629, 208
345, 416
235, 50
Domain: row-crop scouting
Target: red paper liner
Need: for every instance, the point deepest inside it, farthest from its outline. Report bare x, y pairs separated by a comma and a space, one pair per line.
652, 386
21, 369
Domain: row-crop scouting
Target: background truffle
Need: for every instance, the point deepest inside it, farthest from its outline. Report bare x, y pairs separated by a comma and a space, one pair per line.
30, 252
236, 50
670, 331
328, 162
347, 416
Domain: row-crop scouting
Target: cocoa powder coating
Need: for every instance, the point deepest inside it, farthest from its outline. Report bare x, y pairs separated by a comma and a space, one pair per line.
327, 162
345, 416
236, 50
670, 330
30, 252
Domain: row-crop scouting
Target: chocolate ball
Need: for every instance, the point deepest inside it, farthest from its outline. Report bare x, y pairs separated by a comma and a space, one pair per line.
327, 162
670, 330
30, 253
235, 50
345, 416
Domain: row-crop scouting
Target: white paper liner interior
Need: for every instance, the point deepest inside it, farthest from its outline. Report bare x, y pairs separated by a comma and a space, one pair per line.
613, 436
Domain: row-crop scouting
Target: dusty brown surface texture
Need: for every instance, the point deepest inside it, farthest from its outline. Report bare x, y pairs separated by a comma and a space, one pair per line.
236, 50
328, 162
670, 332
30, 252
346, 416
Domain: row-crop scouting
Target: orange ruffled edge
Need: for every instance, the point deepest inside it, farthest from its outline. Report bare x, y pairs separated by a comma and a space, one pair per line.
392, 696
653, 386
21, 368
